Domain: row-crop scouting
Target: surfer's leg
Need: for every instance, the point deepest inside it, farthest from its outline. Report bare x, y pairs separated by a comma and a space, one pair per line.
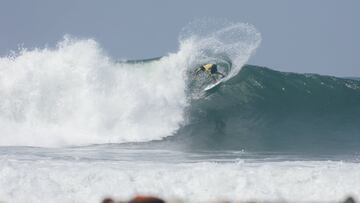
214, 78
222, 75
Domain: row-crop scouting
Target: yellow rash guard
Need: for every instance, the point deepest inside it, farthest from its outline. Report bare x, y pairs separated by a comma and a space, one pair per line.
208, 67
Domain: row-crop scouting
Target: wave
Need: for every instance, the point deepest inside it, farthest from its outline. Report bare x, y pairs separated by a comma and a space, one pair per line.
263, 109
75, 94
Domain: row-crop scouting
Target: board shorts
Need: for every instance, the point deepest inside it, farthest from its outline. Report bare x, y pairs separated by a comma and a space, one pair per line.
214, 69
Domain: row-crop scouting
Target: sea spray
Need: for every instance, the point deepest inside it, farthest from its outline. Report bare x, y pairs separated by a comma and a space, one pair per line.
216, 41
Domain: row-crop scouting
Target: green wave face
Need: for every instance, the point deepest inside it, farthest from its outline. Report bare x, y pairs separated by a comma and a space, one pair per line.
266, 110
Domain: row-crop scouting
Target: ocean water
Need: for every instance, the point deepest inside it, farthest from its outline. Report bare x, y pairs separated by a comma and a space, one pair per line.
77, 125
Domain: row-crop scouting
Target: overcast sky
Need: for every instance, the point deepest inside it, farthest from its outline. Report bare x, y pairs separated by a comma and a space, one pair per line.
320, 36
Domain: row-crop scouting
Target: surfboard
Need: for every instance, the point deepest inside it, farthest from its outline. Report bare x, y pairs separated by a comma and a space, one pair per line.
209, 87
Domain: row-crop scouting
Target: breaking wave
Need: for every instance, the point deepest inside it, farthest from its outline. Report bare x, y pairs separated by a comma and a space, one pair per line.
75, 94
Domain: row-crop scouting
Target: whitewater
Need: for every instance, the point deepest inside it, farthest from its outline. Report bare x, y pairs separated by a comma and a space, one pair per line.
77, 125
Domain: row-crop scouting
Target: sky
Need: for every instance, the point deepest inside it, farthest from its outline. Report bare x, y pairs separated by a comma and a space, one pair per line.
313, 36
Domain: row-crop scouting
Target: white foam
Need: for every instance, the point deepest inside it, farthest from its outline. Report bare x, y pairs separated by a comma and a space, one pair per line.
76, 95
68, 181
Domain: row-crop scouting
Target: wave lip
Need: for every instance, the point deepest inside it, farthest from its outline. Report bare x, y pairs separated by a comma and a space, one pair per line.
220, 41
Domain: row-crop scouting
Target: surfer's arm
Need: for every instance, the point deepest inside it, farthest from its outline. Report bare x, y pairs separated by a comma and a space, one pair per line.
197, 71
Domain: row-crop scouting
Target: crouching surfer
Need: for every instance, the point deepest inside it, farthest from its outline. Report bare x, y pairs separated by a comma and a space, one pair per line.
211, 70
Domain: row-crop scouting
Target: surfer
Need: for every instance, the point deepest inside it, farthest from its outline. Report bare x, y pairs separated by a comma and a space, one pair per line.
211, 70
